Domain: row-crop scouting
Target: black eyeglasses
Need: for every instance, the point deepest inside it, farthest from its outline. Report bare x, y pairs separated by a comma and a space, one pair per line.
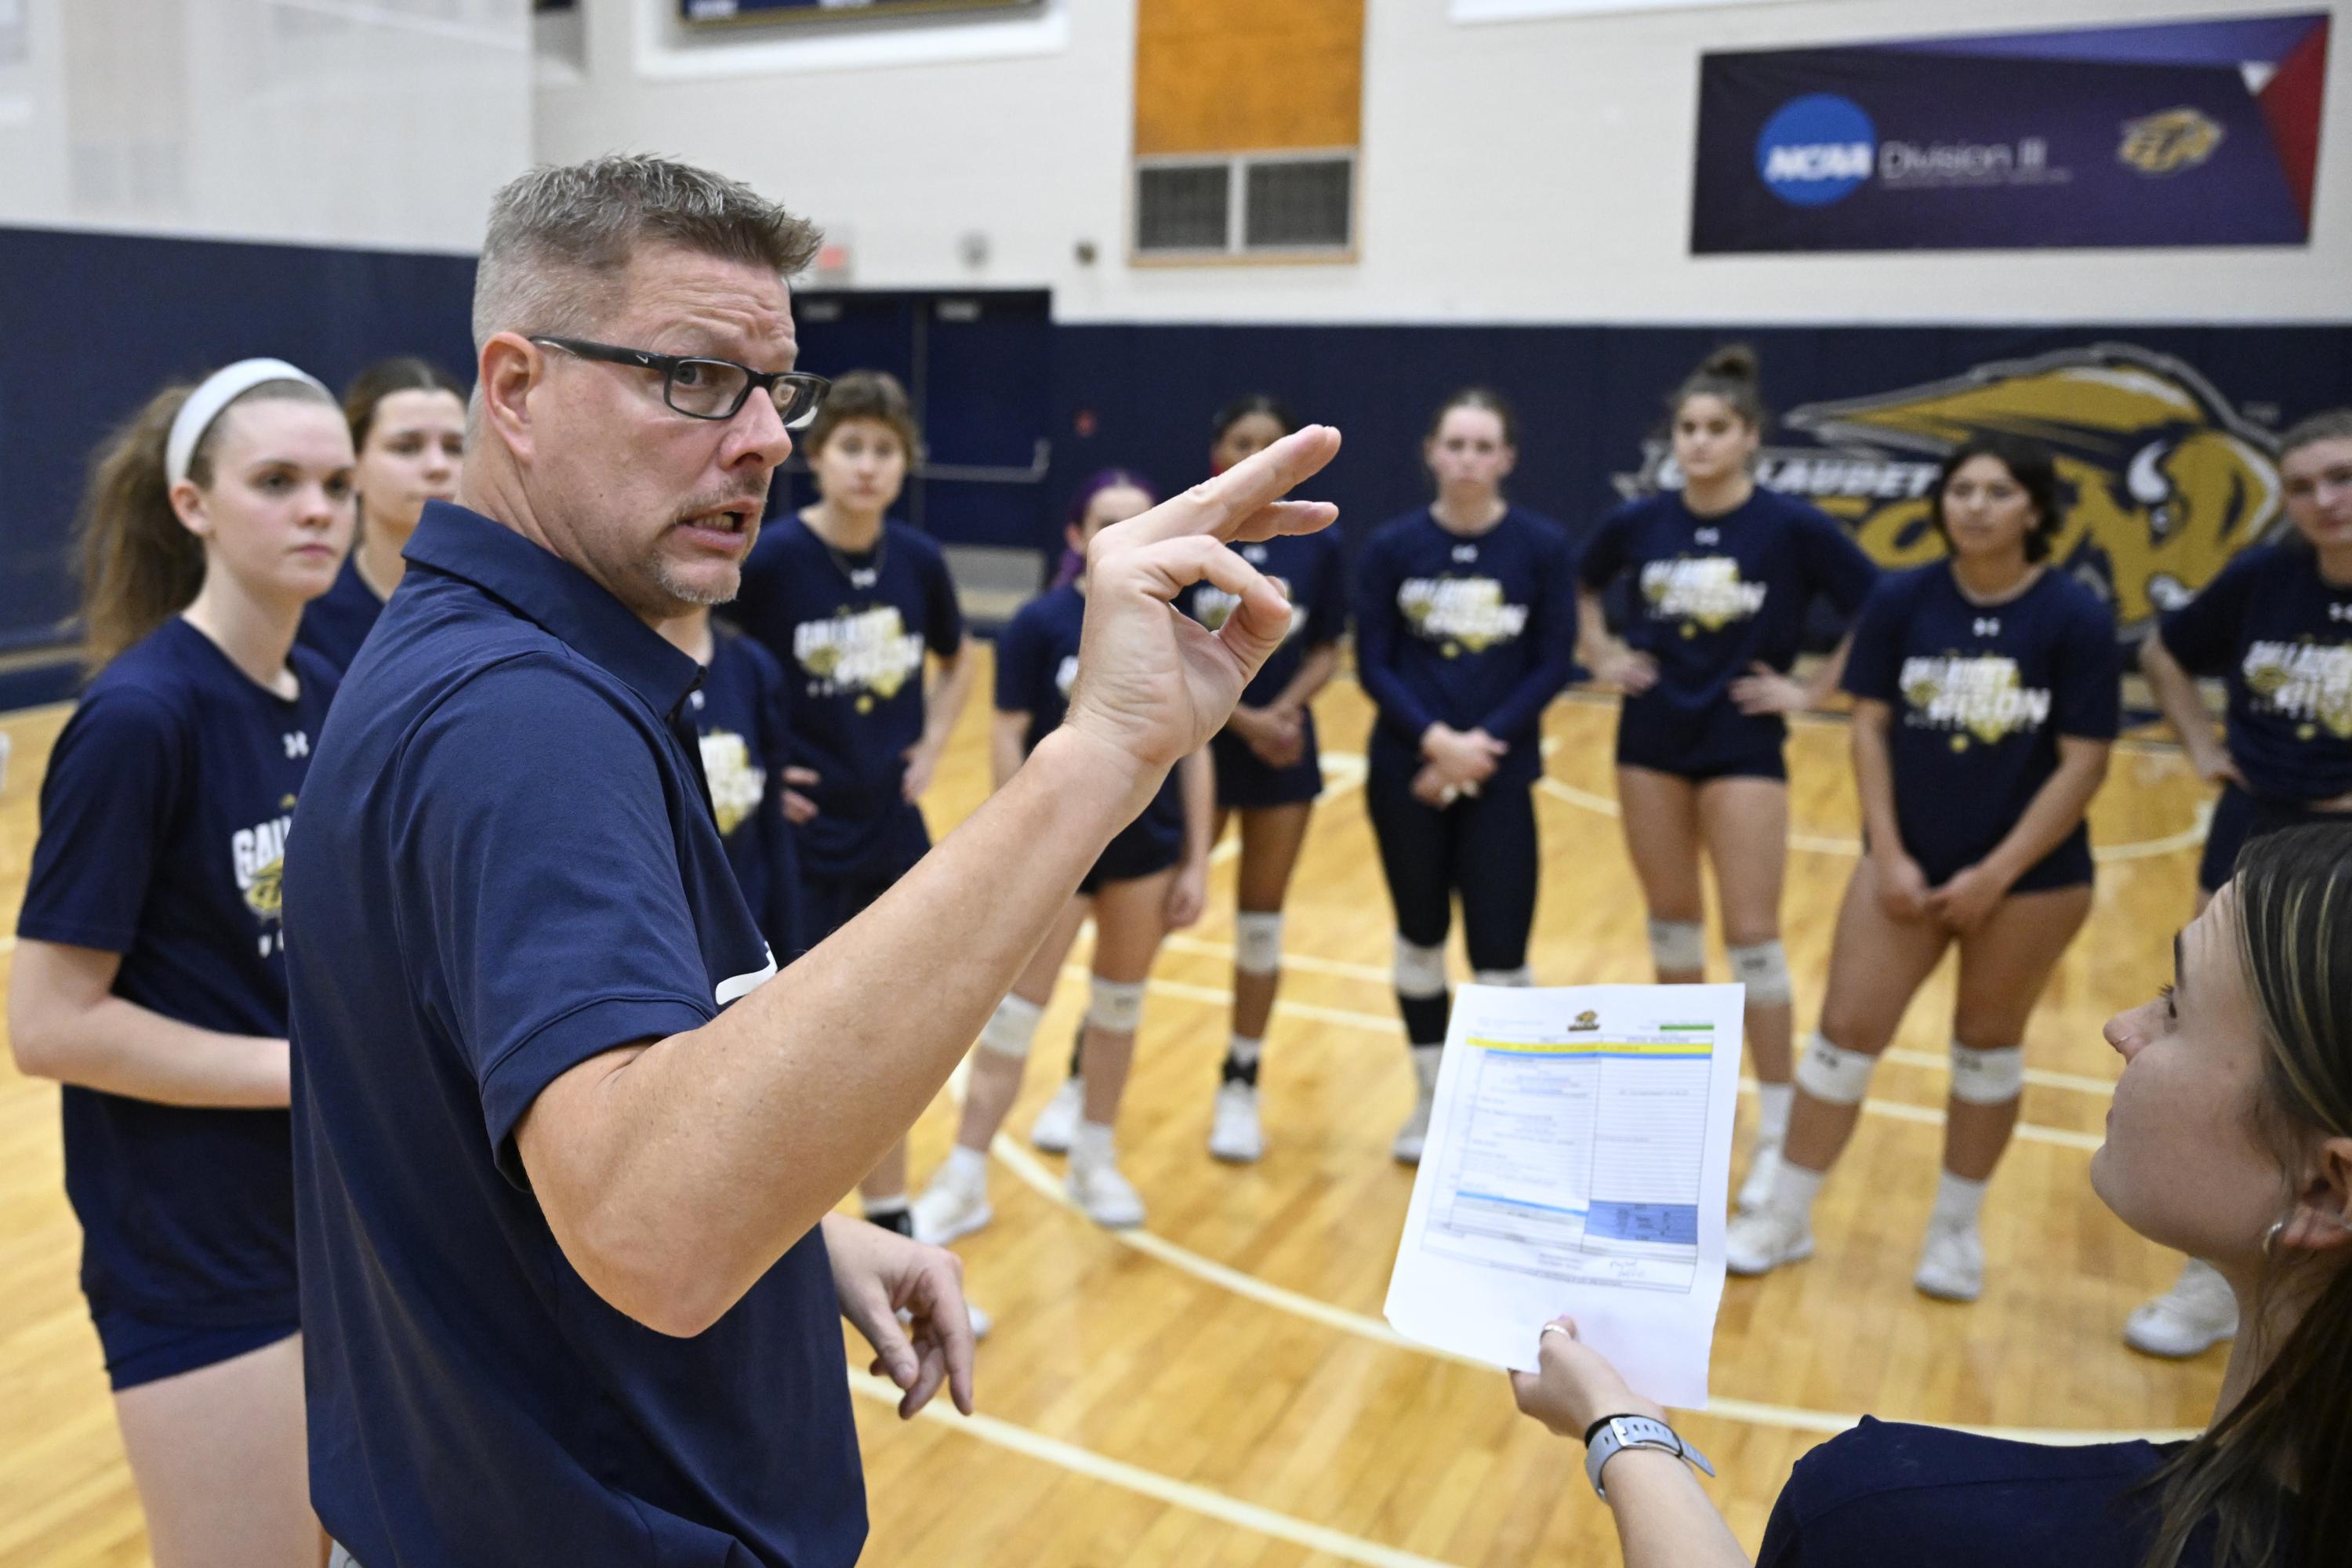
710, 388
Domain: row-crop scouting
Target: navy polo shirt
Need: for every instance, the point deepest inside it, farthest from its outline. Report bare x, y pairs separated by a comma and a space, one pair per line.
507, 864
1475, 631
336, 622
1980, 695
164, 818
2281, 635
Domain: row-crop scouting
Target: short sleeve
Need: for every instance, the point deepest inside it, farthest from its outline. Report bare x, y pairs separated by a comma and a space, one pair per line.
942, 616
115, 776
1020, 649
1327, 607
548, 944
2203, 634
1873, 669
1606, 553
2088, 701
1837, 568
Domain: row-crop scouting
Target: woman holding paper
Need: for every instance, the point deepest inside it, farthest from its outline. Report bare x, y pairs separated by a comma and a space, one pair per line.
1986, 699
2230, 1139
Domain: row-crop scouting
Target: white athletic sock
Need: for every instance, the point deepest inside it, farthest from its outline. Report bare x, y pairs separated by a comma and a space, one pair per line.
1794, 1188
1425, 1062
1959, 1201
876, 1208
1092, 1145
1775, 1100
1245, 1050
967, 1167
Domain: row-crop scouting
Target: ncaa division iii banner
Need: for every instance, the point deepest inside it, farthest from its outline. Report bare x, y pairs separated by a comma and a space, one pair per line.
2172, 134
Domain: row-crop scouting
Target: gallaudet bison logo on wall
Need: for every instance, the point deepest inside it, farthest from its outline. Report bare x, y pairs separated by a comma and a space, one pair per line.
2165, 482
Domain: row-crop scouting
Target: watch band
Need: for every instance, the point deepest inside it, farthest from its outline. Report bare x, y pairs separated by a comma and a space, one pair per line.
1611, 1435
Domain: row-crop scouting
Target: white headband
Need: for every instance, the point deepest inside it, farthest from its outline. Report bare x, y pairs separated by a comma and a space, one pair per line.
204, 406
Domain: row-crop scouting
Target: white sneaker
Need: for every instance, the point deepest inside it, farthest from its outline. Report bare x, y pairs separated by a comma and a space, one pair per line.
1759, 1240
1235, 1133
1057, 1124
1951, 1263
1757, 1188
1105, 1196
2198, 1313
1409, 1137
948, 1208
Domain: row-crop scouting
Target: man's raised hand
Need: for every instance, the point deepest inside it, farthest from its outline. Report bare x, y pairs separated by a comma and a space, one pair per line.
1153, 683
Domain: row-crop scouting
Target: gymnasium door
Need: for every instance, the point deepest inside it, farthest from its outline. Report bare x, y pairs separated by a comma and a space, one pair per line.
978, 366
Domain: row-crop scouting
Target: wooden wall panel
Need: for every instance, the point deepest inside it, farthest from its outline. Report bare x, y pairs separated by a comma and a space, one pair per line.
1247, 76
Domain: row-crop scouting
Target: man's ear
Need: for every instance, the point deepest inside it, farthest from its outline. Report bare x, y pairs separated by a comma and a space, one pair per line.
511, 368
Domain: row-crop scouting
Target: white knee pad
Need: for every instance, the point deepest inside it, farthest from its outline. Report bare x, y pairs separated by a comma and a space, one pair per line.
1010, 1027
1763, 968
1677, 945
1420, 971
1834, 1075
1257, 942
1116, 1005
1988, 1078
1522, 976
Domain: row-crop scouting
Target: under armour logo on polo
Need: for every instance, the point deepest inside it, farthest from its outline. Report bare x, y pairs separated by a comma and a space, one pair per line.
2339, 611
1465, 552
1710, 536
298, 744
1988, 626
864, 577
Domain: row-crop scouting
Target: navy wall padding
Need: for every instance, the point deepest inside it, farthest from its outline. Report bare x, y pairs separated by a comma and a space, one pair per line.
1587, 396
92, 324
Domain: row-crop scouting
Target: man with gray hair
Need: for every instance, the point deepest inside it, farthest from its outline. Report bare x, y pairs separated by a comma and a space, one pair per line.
567, 1144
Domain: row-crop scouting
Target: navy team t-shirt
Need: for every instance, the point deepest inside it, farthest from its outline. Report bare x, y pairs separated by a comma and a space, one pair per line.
1474, 633
1981, 695
506, 865
1037, 662
1928, 1497
1713, 597
336, 622
738, 715
2281, 636
165, 817
851, 631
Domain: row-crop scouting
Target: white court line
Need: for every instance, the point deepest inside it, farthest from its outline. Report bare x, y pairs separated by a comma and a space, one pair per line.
2031, 1132
1181, 942
2188, 837
1185, 1495
1026, 1165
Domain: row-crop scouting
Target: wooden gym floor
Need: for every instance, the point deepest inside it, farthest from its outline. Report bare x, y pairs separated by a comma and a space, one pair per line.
1220, 1387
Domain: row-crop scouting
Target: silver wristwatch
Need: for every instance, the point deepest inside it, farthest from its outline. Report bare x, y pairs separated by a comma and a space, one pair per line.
1615, 1432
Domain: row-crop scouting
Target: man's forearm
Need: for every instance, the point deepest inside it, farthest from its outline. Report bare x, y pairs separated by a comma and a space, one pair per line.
718, 1148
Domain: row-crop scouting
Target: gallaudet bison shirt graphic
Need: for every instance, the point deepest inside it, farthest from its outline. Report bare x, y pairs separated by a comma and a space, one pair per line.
2166, 480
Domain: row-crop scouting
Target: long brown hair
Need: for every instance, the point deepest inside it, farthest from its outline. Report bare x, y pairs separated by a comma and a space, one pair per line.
138, 564
2294, 1427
